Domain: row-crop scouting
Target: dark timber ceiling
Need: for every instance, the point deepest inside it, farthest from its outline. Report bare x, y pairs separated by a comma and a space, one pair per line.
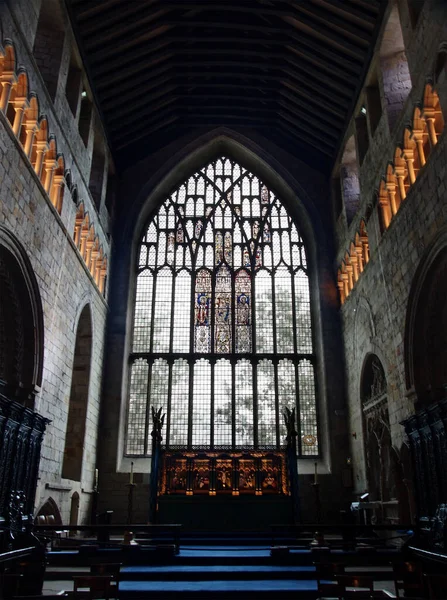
291, 70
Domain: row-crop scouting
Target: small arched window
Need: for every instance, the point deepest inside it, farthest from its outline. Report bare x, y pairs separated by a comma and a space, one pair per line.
222, 334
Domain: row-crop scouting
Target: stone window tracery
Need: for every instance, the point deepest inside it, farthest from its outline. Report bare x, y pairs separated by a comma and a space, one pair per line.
222, 335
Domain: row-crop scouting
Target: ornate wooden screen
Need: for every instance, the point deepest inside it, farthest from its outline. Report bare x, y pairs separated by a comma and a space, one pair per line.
232, 473
222, 335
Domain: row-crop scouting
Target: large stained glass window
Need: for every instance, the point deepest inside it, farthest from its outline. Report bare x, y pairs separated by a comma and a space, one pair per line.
222, 334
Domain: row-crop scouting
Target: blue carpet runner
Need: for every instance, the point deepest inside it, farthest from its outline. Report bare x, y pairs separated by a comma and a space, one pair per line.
235, 572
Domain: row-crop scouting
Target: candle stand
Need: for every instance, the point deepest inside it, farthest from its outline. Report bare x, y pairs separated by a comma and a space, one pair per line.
131, 487
316, 488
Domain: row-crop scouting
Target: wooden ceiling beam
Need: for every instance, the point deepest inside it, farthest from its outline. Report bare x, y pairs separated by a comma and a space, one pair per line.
195, 76
255, 104
185, 107
136, 127
121, 83
371, 6
325, 56
122, 31
326, 137
340, 26
144, 132
322, 103
345, 47
95, 26
323, 116
325, 36
303, 137
297, 138
115, 49
287, 75
304, 78
149, 52
255, 10
125, 121
312, 119
166, 50
330, 68
94, 8
135, 101
347, 12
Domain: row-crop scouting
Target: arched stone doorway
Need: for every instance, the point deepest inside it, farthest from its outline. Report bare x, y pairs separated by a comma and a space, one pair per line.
77, 413
74, 511
50, 511
429, 342
21, 354
426, 373
380, 456
21, 323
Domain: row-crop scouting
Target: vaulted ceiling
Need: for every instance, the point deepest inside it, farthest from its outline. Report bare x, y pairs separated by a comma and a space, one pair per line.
290, 69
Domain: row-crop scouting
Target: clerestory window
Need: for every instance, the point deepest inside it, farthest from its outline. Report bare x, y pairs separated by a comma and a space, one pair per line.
222, 332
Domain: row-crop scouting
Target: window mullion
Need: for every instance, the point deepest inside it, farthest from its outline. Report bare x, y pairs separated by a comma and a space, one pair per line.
190, 401
274, 311
172, 308
154, 293
254, 366
298, 411
233, 403
213, 365
147, 450
277, 411
168, 403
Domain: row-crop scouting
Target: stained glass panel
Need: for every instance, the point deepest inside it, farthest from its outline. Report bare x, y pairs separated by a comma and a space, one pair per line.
243, 312
222, 312
202, 312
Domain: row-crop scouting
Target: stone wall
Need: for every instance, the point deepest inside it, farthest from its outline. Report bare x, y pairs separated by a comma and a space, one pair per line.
65, 283
374, 314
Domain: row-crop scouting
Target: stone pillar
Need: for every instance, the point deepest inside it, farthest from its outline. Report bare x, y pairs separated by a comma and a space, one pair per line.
56, 192
7, 79
429, 116
394, 203
408, 155
30, 129
102, 279
41, 148
418, 136
359, 252
355, 266
401, 173
19, 106
385, 209
365, 246
49, 166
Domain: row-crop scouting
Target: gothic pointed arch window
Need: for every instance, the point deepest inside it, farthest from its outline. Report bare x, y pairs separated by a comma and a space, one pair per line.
222, 330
